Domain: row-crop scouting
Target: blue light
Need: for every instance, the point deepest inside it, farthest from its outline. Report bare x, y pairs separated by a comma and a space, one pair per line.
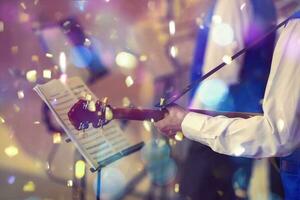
81, 56
211, 93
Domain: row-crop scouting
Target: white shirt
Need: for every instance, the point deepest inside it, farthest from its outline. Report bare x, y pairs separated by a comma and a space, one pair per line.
277, 132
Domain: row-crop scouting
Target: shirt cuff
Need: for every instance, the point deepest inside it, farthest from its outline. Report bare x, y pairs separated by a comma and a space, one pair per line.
192, 125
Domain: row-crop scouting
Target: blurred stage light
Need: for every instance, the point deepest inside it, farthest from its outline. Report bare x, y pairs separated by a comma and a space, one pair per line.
176, 188
222, 34
11, 180
80, 4
212, 92
11, 151
161, 167
113, 183
79, 169
31, 76
29, 187
126, 60
81, 56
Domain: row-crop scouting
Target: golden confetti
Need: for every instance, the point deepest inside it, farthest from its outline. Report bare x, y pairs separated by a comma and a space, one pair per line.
173, 51
35, 58
1, 26
23, 17
88, 97
11, 151
47, 73
143, 58
92, 106
179, 136
126, 102
14, 49
49, 55
29, 187
162, 101
147, 125
176, 188
79, 169
2, 120
172, 27
16, 108
31, 76
108, 114
56, 138
36, 2
227, 59
172, 142
23, 5
87, 42
70, 183
20, 94
129, 81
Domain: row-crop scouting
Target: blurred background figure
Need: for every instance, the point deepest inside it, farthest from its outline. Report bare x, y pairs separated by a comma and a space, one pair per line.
228, 27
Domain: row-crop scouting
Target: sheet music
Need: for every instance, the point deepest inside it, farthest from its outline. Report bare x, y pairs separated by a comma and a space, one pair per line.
95, 145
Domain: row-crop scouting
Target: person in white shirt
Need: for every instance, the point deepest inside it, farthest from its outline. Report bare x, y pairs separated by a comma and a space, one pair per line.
275, 133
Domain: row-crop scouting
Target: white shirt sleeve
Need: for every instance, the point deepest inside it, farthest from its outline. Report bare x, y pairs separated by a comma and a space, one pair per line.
277, 132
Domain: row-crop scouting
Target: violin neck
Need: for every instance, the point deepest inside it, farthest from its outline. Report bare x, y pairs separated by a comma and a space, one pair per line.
156, 114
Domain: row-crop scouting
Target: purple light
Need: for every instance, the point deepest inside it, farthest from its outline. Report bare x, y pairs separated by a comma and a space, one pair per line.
11, 180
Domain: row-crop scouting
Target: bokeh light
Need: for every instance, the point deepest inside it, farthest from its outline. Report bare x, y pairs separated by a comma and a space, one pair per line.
11, 151
113, 183
222, 34
81, 56
126, 60
79, 169
212, 92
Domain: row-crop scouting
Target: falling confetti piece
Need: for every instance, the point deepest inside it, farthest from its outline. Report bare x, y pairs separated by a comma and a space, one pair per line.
56, 138
23, 5
79, 169
126, 102
176, 188
31, 76
35, 58
143, 58
36, 122
162, 101
243, 6
2, 120
49, 55
129, 81
14, 49
179, 136
29, 187
11, 151
147, 126
69, 183
172, 27
20, 94
173, 51
1, 26
62, 62
23, 17
47, 73
227, 59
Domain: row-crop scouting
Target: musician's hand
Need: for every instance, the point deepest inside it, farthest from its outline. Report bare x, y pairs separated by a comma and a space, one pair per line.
172, 121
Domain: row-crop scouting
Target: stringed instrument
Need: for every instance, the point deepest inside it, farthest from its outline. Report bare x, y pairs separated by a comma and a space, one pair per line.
98, 114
